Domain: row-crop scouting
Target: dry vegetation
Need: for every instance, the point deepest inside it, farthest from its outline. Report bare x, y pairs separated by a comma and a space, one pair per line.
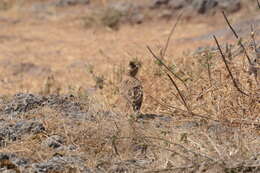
197, 117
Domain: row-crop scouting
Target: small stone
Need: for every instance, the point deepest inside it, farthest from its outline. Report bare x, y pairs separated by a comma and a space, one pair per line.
54, 141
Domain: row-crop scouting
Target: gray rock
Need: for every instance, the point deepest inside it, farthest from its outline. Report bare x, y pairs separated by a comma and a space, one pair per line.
166, 14
159, 3
54, 141
130, 12
60, 163
190, 125
230, 5
66, 104
137, 18
203, 6
22, 103
14, 132
200, 6
173, 4
11, 162
71, 2
177, 4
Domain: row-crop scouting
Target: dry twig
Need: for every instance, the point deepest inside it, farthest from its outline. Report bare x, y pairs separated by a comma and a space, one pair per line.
167, 68
181, 95
171, 33
228, 69
236, 35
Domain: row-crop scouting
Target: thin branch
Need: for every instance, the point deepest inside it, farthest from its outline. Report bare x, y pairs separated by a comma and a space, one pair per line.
258, 3
167, 68
209, 71
228, 69
184, 111
230, 26
171, 33
236, 35
165, 105
181, 95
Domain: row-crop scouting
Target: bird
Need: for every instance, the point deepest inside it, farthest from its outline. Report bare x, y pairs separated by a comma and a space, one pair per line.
131, 88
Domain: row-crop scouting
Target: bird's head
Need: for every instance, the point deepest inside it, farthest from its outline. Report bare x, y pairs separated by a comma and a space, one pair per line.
133, 68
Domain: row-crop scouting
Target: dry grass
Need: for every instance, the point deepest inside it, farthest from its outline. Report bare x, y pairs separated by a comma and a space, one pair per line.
218, 133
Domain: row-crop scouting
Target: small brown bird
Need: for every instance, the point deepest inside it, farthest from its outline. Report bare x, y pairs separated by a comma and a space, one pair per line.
132, 89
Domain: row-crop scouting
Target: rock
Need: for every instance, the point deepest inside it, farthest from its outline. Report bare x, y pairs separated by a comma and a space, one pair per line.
128, 166
203, 6
22, 103
177, 4
11, 163
54, 141
190, 125
200, 6
24, 127
230, 5
13, 132
68, 105
71, 2
137, 18
122, 7
159, 3
172, 4
166, 14
59, 163
129, 12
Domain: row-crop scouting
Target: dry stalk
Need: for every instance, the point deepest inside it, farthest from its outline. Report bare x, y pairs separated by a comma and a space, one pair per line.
171, 33
166, 105
180, 94
209, 71
167, 68
175, 85
228, 69
237, 37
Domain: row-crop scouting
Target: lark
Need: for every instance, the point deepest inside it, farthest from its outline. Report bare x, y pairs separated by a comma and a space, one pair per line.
132, 89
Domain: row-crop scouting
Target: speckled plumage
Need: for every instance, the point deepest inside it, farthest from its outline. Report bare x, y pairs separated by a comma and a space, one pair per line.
132, 89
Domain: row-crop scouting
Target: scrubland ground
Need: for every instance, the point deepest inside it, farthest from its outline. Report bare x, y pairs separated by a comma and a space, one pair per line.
60, 104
